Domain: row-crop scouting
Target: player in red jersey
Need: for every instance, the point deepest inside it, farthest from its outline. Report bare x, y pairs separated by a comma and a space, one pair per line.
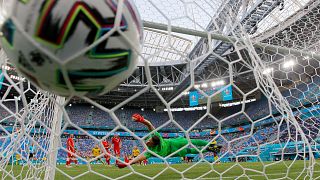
107, 148
116, 141
71, 151
126, 158
145, 162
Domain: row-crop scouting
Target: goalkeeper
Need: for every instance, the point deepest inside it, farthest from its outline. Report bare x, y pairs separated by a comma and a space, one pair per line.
165, 147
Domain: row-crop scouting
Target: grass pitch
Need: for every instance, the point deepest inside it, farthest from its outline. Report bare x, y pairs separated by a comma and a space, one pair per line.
285, 170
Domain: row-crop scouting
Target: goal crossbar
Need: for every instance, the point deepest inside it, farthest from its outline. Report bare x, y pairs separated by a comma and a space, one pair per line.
224, 38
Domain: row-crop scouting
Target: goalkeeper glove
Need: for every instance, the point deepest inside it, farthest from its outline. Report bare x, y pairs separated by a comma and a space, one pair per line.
138, 118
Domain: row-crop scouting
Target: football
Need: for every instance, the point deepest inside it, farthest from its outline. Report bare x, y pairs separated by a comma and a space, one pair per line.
73, 47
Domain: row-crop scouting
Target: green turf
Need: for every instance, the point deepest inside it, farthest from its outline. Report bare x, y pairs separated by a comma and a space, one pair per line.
226, 170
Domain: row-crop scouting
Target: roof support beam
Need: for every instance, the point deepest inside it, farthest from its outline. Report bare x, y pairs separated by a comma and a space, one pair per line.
283, 50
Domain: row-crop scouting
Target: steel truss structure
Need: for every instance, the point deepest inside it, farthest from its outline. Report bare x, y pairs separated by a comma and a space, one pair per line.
208, 66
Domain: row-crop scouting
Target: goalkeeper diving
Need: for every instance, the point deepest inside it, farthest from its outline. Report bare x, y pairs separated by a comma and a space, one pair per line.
165, 147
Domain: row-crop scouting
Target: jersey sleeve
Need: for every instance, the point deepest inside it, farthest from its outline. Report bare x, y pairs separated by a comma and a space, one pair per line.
148, 155
159, 136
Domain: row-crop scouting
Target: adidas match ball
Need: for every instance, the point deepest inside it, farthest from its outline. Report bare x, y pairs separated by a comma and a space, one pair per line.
73, 47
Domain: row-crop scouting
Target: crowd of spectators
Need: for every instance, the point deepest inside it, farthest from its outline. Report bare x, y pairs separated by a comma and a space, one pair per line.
87, 115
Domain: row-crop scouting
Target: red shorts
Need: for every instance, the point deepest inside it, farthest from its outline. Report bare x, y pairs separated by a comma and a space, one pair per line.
117, 152
71, 155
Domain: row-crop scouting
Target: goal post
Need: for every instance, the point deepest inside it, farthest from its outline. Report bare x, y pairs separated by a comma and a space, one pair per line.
54, 142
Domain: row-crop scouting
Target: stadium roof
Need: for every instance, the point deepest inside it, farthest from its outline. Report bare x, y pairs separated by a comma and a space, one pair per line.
189, 14
195, 15
160, 50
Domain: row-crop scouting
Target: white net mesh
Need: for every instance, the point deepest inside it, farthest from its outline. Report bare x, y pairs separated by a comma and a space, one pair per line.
253, 65
26, 127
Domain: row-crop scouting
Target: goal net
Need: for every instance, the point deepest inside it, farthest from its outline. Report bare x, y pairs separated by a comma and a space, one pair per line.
237, 74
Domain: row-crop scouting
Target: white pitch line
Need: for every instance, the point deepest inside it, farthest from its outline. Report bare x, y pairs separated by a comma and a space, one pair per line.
233, 177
